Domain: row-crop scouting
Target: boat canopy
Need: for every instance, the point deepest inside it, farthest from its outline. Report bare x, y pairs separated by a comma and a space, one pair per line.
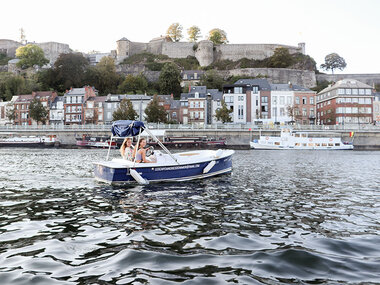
127, 128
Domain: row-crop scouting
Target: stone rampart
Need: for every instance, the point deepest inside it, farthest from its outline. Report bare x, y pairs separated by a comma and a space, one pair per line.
178, 49
304, 78
252, 51
369, 78
52, 50
9, 47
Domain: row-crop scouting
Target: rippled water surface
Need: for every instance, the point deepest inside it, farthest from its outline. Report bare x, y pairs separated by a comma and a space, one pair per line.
298, 217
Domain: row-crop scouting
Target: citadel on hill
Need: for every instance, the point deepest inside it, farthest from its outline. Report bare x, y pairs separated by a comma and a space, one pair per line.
204, 51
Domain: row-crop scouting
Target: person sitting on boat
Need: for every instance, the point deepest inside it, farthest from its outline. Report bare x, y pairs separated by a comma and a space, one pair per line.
141, 152
126, 149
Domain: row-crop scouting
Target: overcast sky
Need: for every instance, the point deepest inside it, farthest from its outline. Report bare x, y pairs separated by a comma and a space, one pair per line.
349, 28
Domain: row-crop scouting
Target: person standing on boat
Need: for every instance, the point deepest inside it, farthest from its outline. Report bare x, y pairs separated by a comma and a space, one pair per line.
126, 149
141, 152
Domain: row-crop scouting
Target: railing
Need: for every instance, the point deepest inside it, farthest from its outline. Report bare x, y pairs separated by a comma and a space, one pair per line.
246, 127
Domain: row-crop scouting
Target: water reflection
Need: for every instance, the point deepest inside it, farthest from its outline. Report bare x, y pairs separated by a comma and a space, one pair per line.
280, 217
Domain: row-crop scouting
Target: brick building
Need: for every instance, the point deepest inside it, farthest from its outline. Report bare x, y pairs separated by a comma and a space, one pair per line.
74, 104
348, 101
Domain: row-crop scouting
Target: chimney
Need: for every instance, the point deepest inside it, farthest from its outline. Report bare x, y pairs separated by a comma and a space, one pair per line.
189, 88
171, 96
290, 85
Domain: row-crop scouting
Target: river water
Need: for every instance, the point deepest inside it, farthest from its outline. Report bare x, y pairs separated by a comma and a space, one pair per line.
281, 217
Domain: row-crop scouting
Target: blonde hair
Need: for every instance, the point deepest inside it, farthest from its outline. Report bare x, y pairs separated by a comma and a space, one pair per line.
123, 146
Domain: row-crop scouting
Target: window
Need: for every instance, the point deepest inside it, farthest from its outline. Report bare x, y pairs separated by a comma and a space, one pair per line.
240, 98
282, 100
191, 104
361, 91
255, 89
264, 108
264, 99
340, 91
368, 92
355, 100
355, 91
274, 100
201, 115
368, 101
229, 99
185, 111
282, 112
238, 90
354, 110
196, 104
361, 101
348, 100
304, 100
312, 112
348, 91
289, 100
241, 112
304, 112
312, 100
297, 100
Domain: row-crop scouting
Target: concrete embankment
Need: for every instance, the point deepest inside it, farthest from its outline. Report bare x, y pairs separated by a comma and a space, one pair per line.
236, 138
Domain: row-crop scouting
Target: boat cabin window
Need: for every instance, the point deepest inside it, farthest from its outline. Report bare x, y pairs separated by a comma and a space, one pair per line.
310, 144
297, 135
277, 143
330, 144
317, 144
298, 144
303, 144
324, 144
337, 144
304, 135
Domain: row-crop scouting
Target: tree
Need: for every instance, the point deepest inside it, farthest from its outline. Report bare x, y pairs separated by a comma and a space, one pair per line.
333, 61
133, 84
212, 80
30, 55
217, 36
11, 84
175, 32
69, 71
125, 111
11, 112
170, 79
154, 112
223, 114
103, 76
281, 58
37, 111
194, 33
293, 112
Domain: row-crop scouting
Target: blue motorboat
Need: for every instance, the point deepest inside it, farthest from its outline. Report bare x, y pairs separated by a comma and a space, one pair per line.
181, 166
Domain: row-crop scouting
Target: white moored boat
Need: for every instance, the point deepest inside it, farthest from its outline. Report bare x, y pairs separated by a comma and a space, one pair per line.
168, 167
299, 140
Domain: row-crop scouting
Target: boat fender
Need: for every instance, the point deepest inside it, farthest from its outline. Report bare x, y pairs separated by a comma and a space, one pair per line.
209, 166
218, 153
139, 179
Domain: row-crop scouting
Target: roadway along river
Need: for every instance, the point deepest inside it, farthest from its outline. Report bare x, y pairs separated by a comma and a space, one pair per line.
280, 217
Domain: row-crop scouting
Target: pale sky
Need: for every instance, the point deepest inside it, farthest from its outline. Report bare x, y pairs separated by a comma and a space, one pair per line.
349, 28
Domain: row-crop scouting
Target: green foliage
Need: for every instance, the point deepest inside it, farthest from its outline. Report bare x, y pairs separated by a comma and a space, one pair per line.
194, 33
11, 84
69, 71
30, 55
188, 63
212, 80
144, 57
175, 32
223, 114
217, 36
334, 61
125, 111
195, 47
4, 58
170, 80
133, 84
37, 111
154, 112
281, 58
321, 85
303, 61
234, 78
103, 76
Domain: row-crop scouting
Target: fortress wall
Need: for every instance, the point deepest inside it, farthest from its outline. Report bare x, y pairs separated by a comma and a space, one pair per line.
370, 79
252, 51
9, 47
52, 50
135, 48
155, 47
304, 78
178, 50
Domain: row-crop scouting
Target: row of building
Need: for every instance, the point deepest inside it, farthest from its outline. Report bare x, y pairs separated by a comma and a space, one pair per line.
250, 101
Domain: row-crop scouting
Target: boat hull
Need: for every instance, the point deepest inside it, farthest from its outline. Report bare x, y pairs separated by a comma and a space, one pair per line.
274, 147
162, 173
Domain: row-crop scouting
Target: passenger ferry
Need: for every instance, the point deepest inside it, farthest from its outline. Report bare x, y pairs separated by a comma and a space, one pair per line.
299, 140
29, 141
